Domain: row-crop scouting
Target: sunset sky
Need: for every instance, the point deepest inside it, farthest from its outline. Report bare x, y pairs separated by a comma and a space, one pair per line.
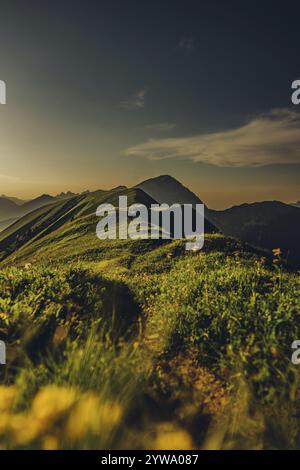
102, 93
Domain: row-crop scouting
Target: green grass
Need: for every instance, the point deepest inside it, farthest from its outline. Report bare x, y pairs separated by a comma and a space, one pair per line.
138, 341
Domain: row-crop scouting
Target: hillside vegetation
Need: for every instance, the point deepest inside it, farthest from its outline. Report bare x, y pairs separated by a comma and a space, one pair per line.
141, 344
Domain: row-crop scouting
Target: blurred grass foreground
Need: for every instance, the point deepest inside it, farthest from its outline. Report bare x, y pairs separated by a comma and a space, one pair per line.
143, 345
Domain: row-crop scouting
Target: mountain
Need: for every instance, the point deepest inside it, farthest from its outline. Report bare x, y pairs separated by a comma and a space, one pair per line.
166, 189
66, 226
264, 225
268, 225
296, 204
119, 188
16, 200
66, 195
10, 211
163, 189
36, 203
8, 208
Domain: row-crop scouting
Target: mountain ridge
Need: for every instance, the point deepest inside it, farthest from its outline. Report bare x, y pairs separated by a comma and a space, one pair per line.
74, 218
264, 225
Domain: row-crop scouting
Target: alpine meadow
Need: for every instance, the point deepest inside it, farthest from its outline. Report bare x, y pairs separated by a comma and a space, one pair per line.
141, 343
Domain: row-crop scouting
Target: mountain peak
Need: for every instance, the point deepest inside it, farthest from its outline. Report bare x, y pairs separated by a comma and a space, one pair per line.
167, 189
163, 179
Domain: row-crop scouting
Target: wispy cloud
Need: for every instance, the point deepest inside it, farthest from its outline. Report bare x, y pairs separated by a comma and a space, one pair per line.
161, 126
135, 101
269, 139
8, 177
186, 44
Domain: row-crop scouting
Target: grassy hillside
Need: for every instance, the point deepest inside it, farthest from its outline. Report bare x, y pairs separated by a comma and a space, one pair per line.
64, 229
12, 209
141, 344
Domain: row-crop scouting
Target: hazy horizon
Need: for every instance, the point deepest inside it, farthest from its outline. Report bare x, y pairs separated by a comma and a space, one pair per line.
104, 186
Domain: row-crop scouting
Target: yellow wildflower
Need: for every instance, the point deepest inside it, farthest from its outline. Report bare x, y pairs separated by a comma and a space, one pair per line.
52, 402
171, 437
50, 443
92, 416
7, 397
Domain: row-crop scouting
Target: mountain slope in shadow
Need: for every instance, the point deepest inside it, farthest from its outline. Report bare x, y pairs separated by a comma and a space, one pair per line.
268, 225
8, 208
166, 189
18, 201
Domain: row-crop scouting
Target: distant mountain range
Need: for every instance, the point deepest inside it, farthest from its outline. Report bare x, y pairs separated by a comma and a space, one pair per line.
12, 209
265, 225
269, 225
14, 199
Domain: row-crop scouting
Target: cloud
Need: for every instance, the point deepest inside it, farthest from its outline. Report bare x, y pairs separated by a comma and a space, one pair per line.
8, 177
161, 126
136, 101
187, 44
269, 139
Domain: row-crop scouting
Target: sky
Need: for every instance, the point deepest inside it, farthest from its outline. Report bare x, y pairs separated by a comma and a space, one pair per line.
102, 93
